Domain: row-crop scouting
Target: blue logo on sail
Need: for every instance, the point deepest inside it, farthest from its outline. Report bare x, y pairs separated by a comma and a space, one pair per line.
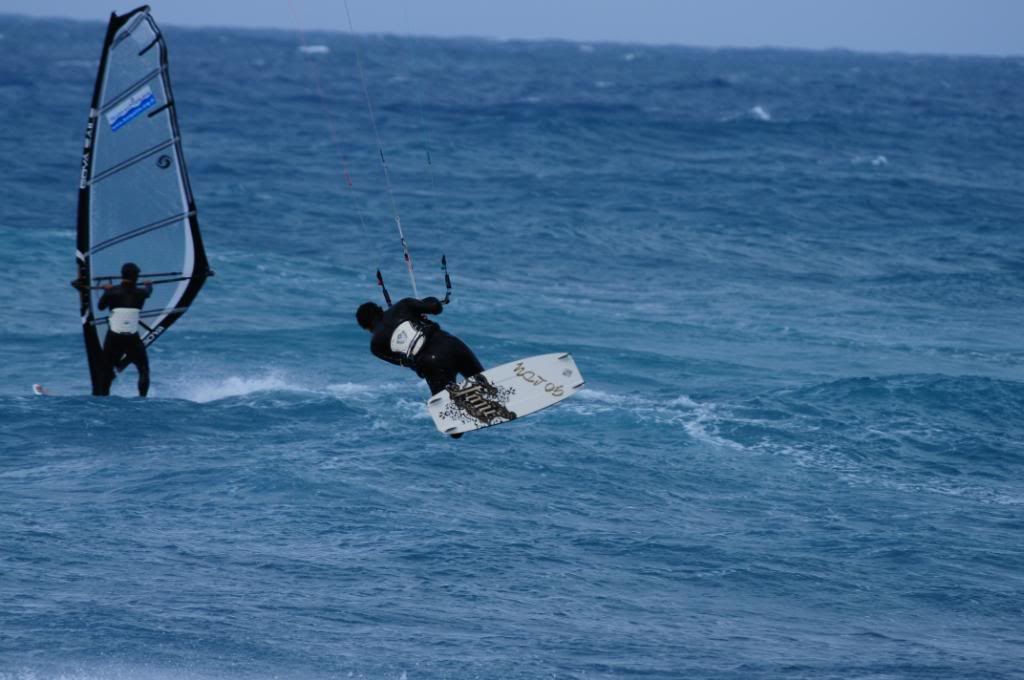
130, 109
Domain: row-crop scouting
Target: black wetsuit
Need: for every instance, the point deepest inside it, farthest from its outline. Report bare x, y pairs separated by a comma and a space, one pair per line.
120, 346
441, 355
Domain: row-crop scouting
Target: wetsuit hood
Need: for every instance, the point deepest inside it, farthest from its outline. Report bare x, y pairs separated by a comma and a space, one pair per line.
130, 272
369, 315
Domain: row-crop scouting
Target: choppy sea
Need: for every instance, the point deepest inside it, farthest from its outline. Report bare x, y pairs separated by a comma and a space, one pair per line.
794, 282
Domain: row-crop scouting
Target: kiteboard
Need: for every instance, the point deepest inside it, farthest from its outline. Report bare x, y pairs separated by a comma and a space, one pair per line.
505, 393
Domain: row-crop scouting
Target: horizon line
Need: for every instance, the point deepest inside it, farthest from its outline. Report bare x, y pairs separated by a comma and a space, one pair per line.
552, 39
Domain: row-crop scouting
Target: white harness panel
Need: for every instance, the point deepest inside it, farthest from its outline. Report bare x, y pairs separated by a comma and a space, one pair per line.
406, 339
124, 320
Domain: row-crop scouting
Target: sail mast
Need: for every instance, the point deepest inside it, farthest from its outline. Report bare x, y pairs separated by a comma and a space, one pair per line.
93, 348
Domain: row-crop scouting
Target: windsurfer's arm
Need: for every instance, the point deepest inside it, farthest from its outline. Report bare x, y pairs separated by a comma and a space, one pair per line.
148, 287
105, 298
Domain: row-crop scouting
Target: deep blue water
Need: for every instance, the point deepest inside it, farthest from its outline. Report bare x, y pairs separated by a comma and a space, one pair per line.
794, 282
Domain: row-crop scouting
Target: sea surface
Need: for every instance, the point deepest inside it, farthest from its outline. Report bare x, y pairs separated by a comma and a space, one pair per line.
794, 283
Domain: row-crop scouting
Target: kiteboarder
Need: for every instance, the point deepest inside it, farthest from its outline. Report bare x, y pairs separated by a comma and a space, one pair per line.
402, 335
123, 345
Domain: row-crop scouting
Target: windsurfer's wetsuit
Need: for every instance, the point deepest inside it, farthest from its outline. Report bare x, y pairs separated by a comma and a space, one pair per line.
123, 344
405, 337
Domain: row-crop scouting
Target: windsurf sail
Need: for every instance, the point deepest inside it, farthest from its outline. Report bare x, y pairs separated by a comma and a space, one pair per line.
134, 201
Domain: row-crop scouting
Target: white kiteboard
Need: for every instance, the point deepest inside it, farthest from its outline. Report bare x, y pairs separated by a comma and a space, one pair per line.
507, 392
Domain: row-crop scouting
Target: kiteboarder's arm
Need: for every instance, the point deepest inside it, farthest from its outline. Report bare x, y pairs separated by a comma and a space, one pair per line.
428, 305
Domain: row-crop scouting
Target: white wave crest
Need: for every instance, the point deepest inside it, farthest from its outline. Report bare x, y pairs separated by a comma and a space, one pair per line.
605, 397
700, 420
350, 390
207, 390
314, 49
760, 113
877, 161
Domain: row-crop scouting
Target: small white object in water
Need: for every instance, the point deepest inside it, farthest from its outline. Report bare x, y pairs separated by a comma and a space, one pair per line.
760, 113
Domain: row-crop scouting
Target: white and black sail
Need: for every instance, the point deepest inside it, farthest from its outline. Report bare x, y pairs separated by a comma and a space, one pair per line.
135, 203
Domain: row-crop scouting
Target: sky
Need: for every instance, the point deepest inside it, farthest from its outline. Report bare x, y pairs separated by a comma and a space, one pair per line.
989, 27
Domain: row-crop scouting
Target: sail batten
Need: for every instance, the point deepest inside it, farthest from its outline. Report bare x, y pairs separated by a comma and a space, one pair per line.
145, 229
135, 203
131, 161
128, 91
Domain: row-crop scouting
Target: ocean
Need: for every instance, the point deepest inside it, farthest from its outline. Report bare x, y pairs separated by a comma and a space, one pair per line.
793, 281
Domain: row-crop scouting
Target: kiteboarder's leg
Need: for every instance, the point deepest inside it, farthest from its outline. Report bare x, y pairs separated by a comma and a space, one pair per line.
466, 362
438, 381
438, 374
434, 362
444, 357
439, 377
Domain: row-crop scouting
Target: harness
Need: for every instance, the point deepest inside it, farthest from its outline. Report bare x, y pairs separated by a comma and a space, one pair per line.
124, 320
407, 339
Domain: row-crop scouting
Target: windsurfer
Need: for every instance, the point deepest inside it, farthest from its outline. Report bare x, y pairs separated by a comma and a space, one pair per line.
123, 345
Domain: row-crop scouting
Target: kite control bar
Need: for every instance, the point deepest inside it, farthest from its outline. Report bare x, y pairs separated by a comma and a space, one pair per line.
447, 284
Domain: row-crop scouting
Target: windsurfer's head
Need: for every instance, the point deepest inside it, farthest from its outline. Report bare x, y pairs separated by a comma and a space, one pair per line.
130, 272
368, 314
